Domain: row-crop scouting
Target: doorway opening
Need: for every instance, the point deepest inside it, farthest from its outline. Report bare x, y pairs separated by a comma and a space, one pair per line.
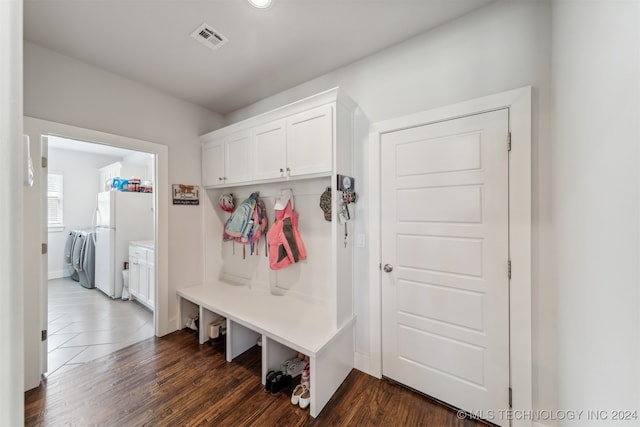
36, 235
101, 233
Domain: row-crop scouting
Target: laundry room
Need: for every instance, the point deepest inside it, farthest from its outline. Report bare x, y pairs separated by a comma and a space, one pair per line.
99, 205
77, 173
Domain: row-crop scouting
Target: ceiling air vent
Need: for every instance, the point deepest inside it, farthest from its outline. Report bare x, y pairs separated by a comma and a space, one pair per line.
209, 37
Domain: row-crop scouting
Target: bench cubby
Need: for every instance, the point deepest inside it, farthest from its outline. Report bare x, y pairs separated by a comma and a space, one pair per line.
296, 327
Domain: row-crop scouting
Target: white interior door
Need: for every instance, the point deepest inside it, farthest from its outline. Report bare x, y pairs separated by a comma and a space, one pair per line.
445, 303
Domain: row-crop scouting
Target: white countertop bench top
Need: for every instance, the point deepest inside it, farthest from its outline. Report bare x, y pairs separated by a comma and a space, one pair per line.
300, 325
149, 244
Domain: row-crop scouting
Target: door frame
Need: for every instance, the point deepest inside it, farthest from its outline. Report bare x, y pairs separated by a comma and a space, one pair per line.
518, 101
36, 128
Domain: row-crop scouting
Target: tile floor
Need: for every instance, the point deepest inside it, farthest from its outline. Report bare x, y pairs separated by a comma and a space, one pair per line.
85, 324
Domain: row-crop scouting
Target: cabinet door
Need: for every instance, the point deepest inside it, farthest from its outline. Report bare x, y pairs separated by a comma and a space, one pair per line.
310, 141
237, 152
213, 163
269, 151
144, 279
134, 277
151, 279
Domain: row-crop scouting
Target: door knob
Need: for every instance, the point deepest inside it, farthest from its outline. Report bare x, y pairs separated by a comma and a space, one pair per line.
388, 268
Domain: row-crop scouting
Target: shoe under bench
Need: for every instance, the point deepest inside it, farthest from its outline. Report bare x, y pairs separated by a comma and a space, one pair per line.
286, 326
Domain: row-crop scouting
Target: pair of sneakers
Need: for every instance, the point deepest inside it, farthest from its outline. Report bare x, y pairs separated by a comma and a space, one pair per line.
276, 381
301, 395
293, 366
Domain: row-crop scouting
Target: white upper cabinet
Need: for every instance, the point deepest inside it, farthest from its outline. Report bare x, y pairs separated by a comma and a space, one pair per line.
269, 150
213, 163
237, 158
309, 141
227, 160
300, 145
296, 141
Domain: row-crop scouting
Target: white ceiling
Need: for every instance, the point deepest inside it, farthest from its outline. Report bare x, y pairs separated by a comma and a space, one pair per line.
269, 50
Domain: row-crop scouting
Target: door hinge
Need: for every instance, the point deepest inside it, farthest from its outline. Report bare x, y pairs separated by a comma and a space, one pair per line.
509, 141
509, 269
44, 248
44, 162
43, 335
380, 266
510, 398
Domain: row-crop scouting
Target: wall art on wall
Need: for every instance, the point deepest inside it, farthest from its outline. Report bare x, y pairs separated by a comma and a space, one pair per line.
186, 194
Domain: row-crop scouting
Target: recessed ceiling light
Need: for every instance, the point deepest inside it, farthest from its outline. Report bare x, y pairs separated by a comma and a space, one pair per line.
260, 3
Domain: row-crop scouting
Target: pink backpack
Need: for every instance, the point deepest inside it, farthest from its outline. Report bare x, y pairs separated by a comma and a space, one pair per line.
285, 244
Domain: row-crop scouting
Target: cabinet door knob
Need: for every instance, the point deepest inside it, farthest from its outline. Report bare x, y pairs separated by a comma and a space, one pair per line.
219, 178
281, 170
388, 268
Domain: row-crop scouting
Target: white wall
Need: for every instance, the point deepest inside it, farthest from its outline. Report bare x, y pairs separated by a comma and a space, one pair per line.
60, 89
500, 47
596, 211
81, 186
307, 280
11, 213
142, 163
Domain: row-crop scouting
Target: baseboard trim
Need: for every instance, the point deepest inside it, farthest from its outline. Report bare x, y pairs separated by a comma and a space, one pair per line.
57, 274
362, 362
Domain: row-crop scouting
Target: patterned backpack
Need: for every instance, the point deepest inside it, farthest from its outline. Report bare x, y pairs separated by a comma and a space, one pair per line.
247, 223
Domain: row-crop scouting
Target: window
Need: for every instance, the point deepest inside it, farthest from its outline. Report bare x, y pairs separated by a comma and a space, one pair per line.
54, 200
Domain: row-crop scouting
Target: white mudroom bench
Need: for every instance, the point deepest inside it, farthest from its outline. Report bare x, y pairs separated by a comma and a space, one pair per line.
285, 325
307, 308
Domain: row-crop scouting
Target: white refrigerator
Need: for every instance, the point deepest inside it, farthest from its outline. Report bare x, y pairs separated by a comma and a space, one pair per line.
120, 218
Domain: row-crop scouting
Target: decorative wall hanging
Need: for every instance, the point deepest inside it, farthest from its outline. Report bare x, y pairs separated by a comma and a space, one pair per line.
325, 203
186, 194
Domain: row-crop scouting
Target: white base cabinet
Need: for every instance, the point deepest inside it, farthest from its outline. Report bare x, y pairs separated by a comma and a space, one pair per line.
142, 273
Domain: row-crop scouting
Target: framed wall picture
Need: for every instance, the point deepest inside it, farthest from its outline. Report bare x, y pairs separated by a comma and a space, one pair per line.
186, 194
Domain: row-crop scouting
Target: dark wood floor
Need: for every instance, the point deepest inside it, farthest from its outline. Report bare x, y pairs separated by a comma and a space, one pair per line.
174, 381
